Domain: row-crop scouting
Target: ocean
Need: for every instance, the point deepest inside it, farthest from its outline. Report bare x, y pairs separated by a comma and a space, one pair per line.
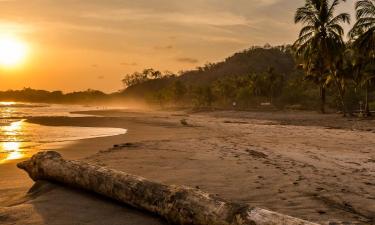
20, 139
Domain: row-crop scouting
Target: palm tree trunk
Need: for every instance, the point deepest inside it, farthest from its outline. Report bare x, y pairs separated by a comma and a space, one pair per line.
322, 99
344, 109
367, 106
342, 95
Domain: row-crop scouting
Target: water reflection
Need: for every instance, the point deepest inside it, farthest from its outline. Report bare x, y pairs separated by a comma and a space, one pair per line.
7, 103
20, 139
13, 128
11, 148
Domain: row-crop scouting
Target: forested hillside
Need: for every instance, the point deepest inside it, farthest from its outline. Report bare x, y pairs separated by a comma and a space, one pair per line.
248, 79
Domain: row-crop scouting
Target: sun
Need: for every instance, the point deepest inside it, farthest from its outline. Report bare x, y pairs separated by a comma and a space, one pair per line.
13, 51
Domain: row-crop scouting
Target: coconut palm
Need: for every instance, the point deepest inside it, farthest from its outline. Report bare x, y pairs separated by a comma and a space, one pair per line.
320, 40
363, 32
363, 42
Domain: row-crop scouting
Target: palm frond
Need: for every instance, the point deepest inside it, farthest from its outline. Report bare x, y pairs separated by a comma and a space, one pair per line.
341, 18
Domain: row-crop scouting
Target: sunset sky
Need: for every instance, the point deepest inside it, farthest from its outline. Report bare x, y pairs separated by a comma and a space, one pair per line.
81, 44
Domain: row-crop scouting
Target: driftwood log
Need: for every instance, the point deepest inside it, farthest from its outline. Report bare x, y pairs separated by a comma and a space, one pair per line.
177, 204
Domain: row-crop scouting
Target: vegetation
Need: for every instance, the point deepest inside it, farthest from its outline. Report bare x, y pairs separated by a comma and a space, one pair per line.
32, 95
319, 65
363, 46
285, 76
243, 81
320, 44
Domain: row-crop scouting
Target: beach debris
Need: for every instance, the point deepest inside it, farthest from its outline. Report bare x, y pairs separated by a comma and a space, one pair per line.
236, 122
124, 145
179, 205
116, 147
256, 154
184, 122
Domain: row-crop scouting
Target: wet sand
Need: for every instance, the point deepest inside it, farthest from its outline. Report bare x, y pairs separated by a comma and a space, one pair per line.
316, 167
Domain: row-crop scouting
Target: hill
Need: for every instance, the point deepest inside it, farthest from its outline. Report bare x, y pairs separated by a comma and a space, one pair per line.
253, 60
255, 75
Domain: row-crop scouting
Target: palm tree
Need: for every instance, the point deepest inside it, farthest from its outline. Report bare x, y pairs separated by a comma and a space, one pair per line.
320, 40
363, 42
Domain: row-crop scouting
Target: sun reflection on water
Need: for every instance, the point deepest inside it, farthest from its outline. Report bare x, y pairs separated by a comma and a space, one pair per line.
7, 103
11, 147
20, 139
13, 128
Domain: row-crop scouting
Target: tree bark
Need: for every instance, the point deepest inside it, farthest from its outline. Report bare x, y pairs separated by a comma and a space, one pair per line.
177, 204
341, 91
367, 105
322, 99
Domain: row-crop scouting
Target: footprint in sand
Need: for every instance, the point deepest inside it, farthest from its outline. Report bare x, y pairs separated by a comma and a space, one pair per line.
369, 183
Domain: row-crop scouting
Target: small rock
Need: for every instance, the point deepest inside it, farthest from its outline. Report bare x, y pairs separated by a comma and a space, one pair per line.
321, 212
184, 122
256, 154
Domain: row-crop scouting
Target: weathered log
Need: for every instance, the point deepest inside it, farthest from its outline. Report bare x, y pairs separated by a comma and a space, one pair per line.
177, 204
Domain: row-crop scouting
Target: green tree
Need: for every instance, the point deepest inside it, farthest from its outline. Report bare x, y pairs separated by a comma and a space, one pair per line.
179, 91
320, 40
275, 84
363, 43
225, 88
363, 31
341, 71
203, 96
141, 77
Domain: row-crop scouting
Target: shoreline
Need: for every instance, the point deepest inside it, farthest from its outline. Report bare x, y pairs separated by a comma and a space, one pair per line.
282, 162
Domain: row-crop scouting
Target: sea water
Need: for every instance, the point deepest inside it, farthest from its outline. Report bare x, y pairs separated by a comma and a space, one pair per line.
20, 139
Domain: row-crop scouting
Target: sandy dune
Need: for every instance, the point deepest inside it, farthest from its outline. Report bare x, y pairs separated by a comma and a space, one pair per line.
315, 167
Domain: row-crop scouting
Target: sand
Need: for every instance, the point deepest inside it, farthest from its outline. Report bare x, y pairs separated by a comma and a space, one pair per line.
315, 167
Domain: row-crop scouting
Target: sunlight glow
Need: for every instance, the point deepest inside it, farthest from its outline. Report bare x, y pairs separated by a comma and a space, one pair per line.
12, 51
7, 103
11, 146
13, 127
15, 155
11, 149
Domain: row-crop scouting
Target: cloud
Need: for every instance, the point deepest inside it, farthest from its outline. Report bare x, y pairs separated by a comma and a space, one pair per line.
188, 60
168, 47
211, 18
268, 2
128, 64
14, 27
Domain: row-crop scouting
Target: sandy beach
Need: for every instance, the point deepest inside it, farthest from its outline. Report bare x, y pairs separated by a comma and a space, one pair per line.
316, 167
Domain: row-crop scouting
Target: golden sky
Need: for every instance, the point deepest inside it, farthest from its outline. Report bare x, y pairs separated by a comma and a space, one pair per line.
81, 44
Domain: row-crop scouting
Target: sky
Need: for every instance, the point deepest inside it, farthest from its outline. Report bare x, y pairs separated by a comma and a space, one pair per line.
81, 44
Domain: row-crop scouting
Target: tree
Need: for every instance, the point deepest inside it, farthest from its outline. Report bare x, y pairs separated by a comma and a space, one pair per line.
363, 43
225, 88
179, 91
320, 40
141, 77
363, 31
203, 96
152, 74
341, 70
134, 79
275, 83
